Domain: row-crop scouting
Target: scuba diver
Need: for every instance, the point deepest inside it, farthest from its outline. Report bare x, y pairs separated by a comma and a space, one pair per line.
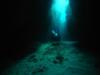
55, 38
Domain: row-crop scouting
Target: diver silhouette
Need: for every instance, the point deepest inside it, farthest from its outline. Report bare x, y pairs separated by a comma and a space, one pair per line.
55, 36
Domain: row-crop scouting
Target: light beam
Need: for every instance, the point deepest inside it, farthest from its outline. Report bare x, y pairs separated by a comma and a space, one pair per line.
60, 12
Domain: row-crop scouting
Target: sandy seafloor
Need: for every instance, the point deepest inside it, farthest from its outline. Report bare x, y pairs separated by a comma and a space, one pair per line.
55, 59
